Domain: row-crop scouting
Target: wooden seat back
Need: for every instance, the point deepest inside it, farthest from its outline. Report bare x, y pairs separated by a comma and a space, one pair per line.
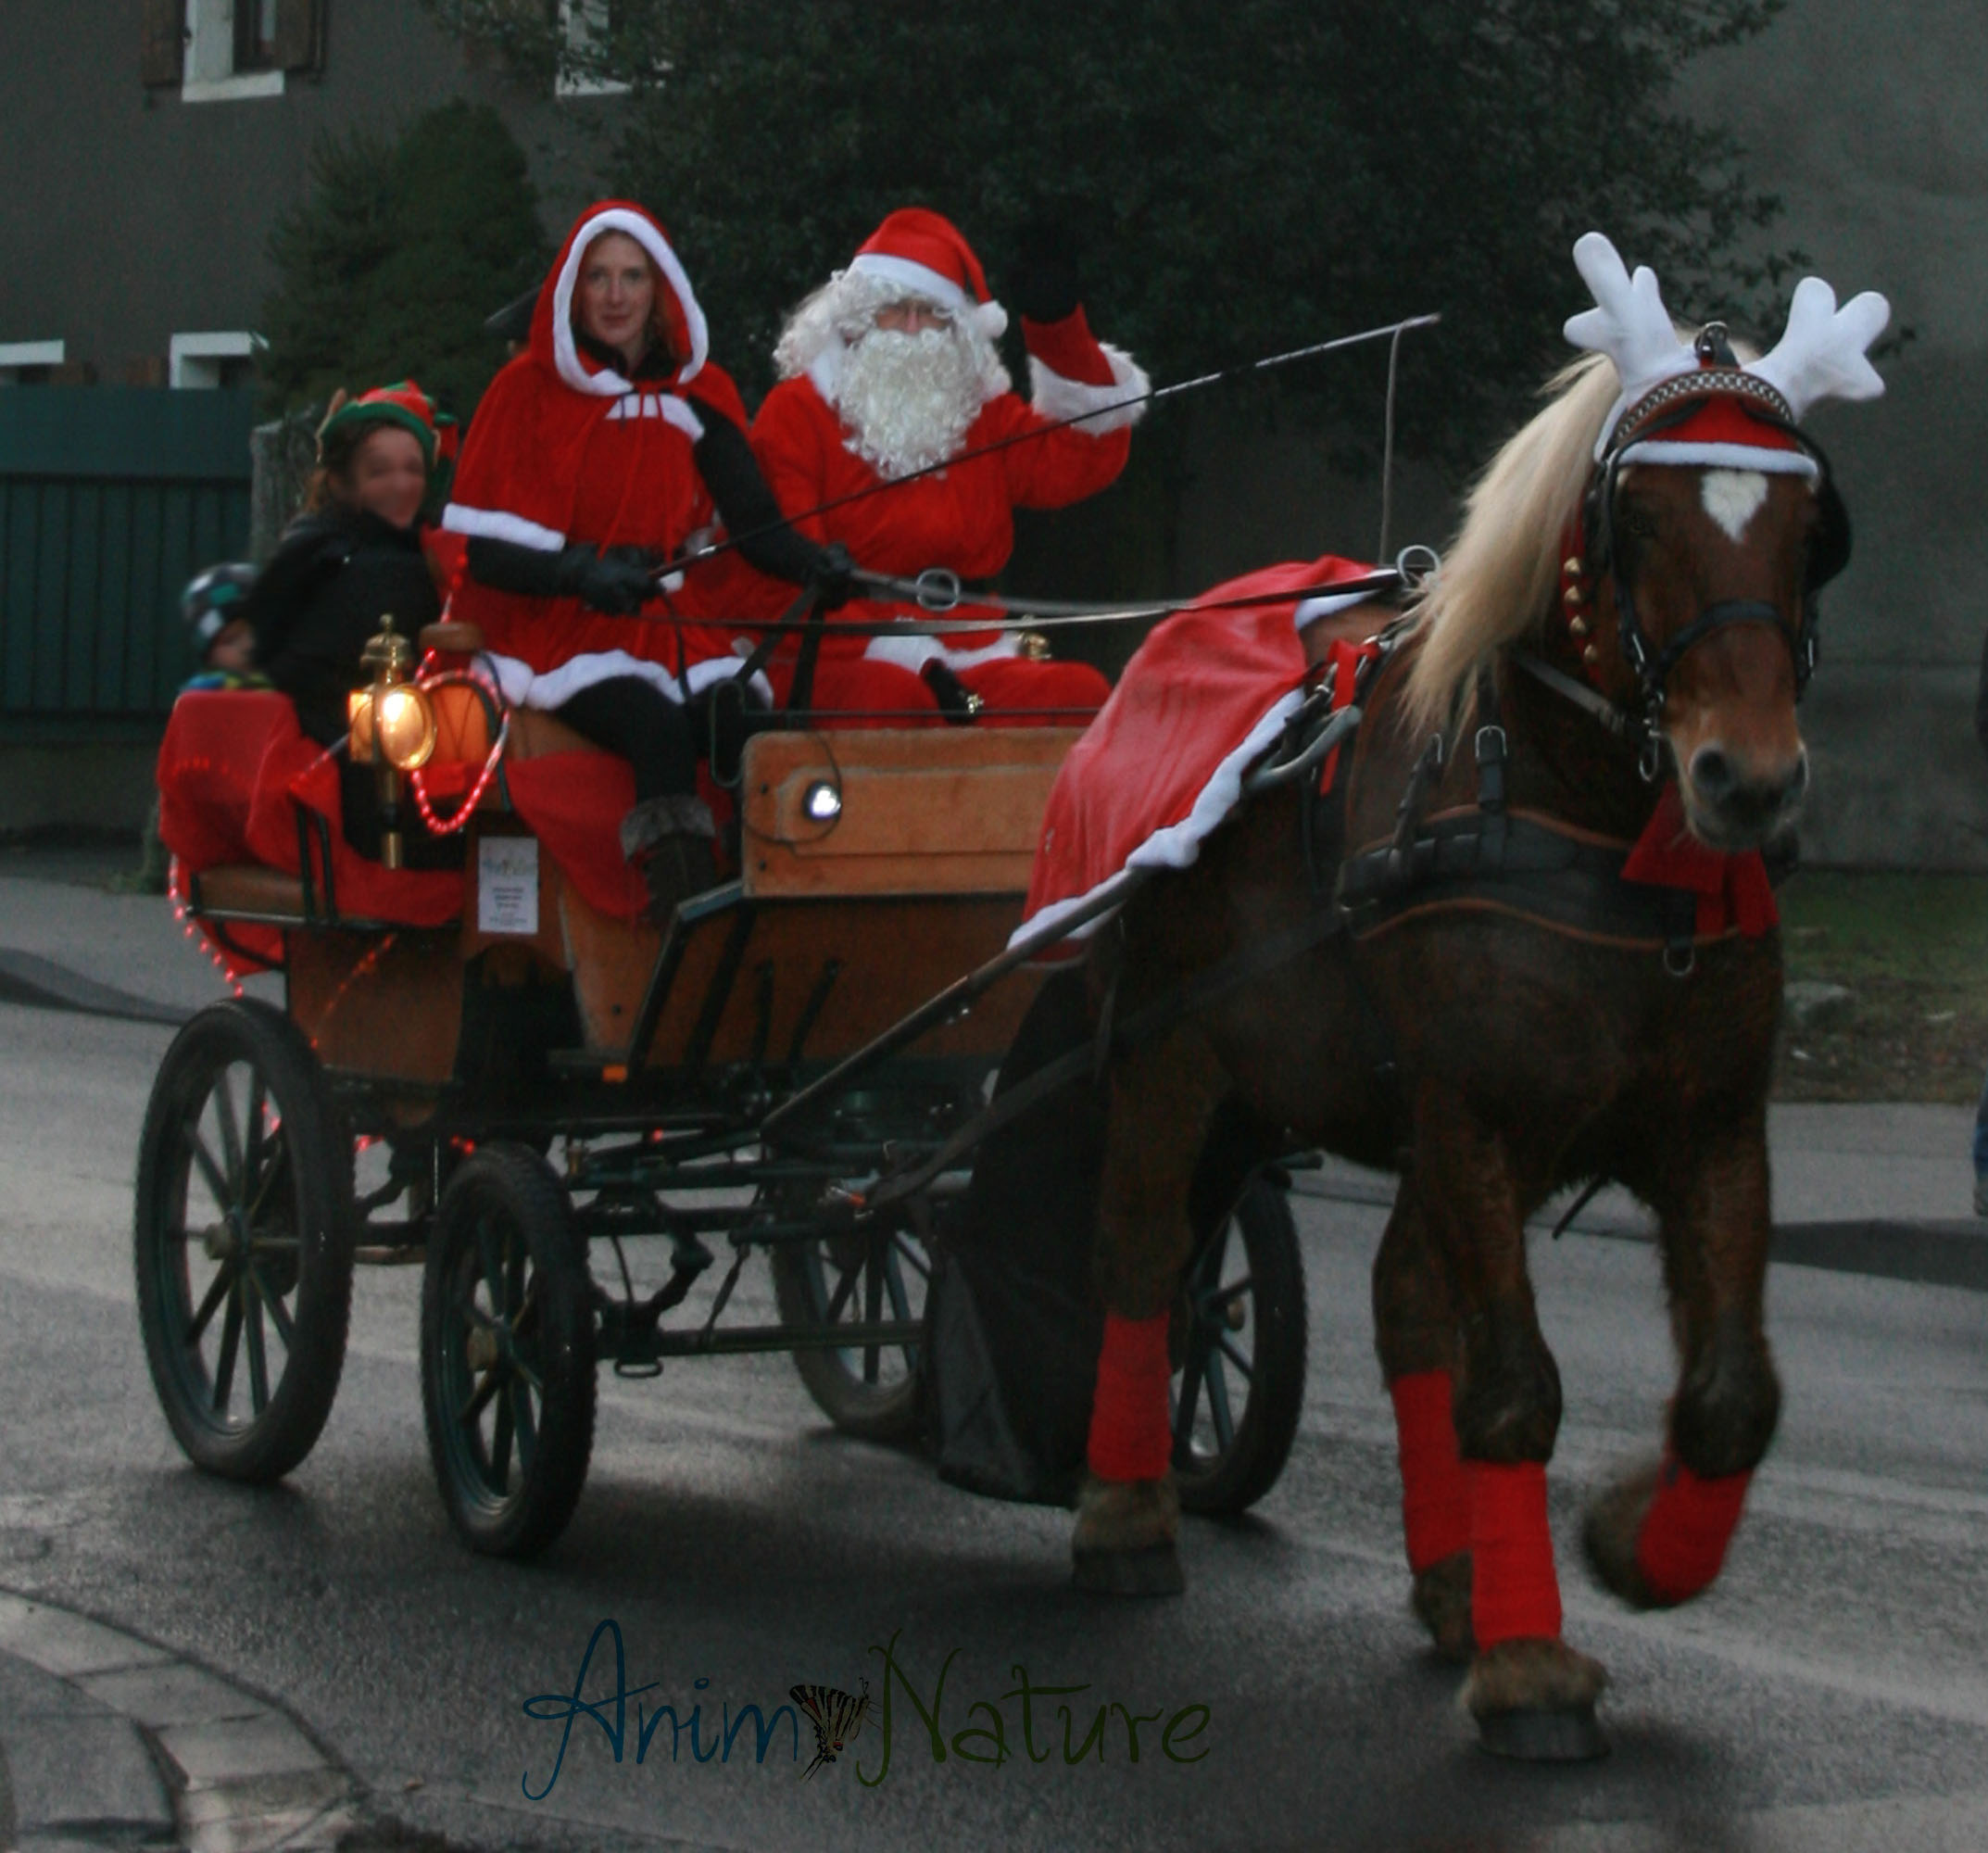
922, 810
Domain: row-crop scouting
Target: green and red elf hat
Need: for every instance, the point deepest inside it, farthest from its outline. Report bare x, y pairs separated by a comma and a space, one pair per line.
403, 404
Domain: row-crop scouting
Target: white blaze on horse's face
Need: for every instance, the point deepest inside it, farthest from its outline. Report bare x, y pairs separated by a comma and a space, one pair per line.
1732, 498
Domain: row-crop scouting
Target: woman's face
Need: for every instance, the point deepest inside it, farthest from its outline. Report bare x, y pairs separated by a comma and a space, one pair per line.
616, 294
388, 475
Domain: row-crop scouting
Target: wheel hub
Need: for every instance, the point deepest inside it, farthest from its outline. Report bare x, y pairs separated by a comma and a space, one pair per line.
482, 1350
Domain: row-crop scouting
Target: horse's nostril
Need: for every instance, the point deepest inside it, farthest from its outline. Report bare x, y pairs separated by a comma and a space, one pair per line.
1798, 781
1713, 775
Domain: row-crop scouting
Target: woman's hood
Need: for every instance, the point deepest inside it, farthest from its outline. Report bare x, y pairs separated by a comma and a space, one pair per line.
552, 336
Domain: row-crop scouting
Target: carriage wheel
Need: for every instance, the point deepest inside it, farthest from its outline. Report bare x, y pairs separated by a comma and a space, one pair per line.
868, 1391
1238, 1394
243, 1240
507, 1352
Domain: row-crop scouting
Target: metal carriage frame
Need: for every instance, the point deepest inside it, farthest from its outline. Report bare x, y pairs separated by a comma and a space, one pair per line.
744, 1079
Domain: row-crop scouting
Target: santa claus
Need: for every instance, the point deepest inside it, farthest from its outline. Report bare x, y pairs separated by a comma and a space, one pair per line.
888, 373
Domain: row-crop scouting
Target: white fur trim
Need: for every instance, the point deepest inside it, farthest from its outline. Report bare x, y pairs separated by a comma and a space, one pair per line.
665, 406
1179, 845
1309, 610
1722, 457
494, 524
921, 278
1121, 404
524, 686
914, 652
607, 384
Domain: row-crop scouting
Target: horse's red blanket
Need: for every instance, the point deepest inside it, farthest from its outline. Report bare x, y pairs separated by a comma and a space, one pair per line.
1202, 698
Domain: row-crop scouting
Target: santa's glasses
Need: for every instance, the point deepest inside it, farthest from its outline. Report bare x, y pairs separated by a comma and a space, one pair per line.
911, 317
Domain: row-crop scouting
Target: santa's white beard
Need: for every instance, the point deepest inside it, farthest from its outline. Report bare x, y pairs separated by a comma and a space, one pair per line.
907, 401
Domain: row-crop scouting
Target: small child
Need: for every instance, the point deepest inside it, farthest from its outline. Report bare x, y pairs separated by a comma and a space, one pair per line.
224, 643
223, 638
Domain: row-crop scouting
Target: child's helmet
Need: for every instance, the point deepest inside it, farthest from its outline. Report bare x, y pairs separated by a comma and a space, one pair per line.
213, 599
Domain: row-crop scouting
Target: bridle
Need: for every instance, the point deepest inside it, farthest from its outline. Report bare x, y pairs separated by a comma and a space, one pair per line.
1669, 405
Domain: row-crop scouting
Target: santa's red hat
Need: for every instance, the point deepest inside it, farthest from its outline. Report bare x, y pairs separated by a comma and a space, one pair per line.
927, 254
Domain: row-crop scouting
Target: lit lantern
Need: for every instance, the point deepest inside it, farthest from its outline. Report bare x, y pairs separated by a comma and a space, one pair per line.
394, 714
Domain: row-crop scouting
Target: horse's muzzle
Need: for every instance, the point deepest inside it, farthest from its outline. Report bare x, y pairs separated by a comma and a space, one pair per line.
1736, 806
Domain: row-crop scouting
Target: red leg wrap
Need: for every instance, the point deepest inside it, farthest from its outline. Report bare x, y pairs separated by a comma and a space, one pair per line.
1435, 1494
1130, 1435
1685, 1532
1514, 1593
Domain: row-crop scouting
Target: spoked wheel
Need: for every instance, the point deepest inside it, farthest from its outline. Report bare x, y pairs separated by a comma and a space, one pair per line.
243, 1240
1238, 1394
861, 1279
507, 1352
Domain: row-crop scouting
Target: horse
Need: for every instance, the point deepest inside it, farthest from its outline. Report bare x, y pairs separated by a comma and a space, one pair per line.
1535, 949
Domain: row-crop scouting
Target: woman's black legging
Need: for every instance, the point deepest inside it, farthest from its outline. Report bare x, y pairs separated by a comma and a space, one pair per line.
636, 720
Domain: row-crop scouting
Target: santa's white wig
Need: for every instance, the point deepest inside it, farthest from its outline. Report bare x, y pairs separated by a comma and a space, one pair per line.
844, 309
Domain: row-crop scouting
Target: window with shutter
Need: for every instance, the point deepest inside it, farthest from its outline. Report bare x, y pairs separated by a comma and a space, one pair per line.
299, 41
162, 47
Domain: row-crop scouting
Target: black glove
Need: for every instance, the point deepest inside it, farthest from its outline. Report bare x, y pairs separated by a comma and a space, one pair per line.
1044, 285
832, 577
956, 701
620, 581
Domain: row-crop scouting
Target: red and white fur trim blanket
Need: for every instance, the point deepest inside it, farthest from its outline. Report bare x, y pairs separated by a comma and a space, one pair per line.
1203, 698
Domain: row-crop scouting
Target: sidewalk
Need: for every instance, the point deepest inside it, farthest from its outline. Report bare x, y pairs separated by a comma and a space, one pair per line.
1884, 1187
107, 1741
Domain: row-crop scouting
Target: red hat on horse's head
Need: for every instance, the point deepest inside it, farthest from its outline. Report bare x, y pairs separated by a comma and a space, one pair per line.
926, 252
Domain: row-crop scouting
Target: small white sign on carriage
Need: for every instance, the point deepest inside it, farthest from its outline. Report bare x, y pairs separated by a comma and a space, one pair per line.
507, 885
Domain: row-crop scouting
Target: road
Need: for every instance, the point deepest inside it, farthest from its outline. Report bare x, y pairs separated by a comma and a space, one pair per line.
1832, 1692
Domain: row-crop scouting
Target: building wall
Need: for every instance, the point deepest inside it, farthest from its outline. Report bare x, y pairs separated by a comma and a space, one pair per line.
128, 215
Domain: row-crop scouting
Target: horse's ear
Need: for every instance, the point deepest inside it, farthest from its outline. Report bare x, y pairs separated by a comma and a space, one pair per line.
1828, 551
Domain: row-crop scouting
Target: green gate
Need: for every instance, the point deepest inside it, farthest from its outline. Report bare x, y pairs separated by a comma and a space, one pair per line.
111, 498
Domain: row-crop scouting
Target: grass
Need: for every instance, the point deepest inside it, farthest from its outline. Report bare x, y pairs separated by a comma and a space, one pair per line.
1913, 952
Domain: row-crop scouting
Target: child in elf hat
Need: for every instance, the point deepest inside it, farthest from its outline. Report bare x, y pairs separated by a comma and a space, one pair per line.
353, 556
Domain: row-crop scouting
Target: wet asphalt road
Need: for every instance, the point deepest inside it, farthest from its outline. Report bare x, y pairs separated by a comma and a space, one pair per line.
1832, 1693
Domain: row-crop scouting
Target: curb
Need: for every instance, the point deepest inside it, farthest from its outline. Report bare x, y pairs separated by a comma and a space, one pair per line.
27, 977
113, 1742
1930, 1253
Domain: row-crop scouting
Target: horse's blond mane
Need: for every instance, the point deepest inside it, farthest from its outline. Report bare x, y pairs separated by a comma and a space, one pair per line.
1501, 570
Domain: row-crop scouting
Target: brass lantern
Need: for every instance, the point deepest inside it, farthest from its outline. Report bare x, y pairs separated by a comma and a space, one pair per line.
392, 728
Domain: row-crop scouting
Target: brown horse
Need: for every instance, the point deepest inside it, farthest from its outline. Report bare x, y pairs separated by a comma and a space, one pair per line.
1498, 1014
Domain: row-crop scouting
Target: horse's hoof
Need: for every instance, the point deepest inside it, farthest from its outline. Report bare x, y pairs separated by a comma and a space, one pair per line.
1441, 1602
1126, 1537
1610, 1530
1539, 1736
1530, 1677
1154, 1570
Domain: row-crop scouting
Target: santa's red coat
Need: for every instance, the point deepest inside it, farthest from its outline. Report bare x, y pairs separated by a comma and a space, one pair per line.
961, 517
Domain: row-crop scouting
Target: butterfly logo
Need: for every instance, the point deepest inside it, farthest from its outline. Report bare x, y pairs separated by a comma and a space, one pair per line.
835, 1716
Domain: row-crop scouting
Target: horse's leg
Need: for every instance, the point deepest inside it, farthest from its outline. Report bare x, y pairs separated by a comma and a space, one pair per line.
1415, 1332
1658, 1535
1530, 1693
1164, 1097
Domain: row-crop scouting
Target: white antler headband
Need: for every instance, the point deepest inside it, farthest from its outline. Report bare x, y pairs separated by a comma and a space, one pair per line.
1820, 355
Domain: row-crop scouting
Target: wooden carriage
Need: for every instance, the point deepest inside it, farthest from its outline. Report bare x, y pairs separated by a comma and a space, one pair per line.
746, 1075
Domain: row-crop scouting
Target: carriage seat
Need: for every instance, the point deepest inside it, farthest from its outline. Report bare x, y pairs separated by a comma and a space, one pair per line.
896, 809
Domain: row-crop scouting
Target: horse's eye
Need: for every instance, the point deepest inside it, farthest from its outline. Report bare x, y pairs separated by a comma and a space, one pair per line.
1640, 522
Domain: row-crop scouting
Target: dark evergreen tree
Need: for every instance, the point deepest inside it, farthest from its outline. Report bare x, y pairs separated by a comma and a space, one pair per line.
388, 268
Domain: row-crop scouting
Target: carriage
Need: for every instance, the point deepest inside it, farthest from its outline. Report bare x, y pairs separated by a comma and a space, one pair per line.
520, 1100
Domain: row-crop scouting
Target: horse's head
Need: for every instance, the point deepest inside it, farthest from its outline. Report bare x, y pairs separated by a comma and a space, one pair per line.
1710, 529
1709, 526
